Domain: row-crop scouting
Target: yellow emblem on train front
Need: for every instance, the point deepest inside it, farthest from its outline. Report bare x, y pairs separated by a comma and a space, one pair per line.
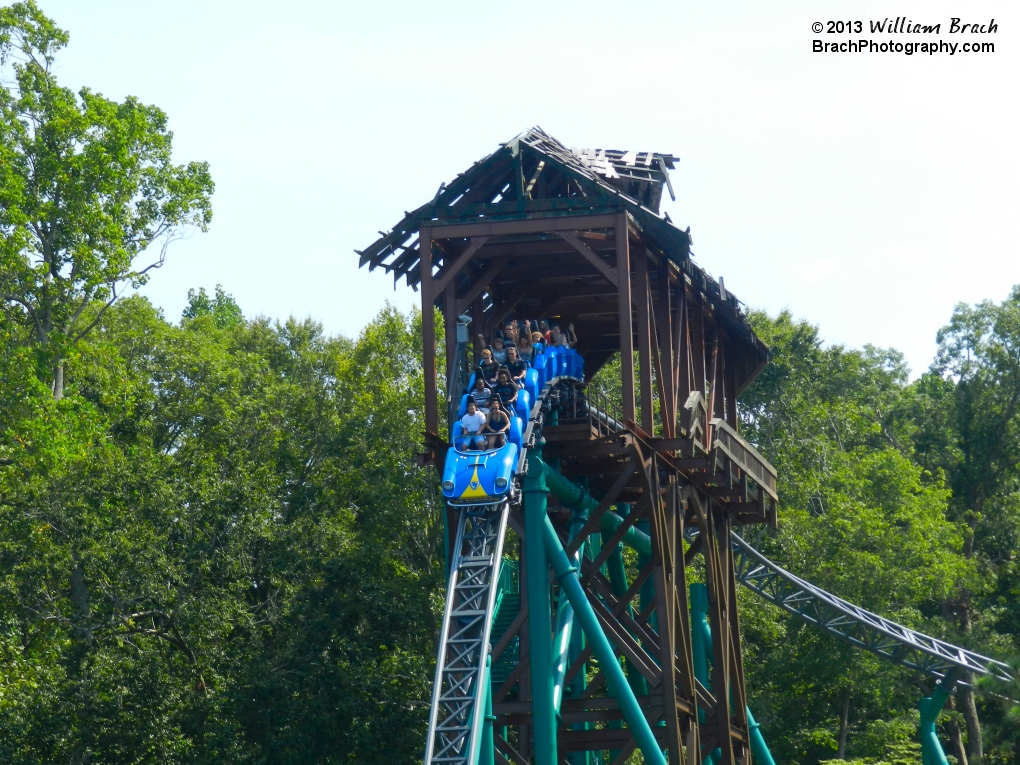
474, 488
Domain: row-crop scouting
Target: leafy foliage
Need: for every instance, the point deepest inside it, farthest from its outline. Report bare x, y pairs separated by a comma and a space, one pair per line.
217, 547
86, 186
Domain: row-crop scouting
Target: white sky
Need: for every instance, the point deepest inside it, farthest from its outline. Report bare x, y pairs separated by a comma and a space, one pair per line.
869, 193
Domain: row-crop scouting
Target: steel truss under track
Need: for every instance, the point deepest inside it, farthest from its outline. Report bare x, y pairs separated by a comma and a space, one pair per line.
455, 718
854, 624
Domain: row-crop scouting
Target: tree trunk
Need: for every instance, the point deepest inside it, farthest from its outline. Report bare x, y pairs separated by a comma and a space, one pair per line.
58, 382
956, 736
975, 746
79, 592
844, 724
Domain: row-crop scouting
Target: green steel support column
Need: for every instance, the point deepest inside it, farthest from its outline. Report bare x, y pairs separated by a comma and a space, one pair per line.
759, 749
701, 647
486, 751
573, 496
601, 647
701, 639
648, 588
617, 574
564, 633
578, 518
619, 586
930, 707
561, 647
539, 614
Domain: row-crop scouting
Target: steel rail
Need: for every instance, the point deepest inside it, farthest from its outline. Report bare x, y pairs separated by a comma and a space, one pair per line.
854, 624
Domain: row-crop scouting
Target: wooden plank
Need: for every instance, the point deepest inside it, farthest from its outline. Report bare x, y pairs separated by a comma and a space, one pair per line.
478, 287
626, 324
532, 225
639, 288
593, 524
447, 274
625, 753
592, 257
713, 387
513, 629
450, 323
667, 354
511, 754
428, 329
636, 512
663, 560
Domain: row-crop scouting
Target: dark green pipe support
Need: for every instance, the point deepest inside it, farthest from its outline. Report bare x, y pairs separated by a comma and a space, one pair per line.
930, 708
564, 633
618, 586
486, 749
701, 648
701, 644
539, 619
648, 588
601, 647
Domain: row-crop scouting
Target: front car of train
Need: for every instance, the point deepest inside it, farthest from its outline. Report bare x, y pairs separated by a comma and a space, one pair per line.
479, 477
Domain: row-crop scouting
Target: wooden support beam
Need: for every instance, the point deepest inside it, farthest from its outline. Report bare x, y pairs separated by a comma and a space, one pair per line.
450, 326
500, 310
666, 353
695, 313
683, 365
452, 269
526, 226
590, 255
593, 524
477, 325
672, 643
480, 284
639, 288
626, 324
428, 329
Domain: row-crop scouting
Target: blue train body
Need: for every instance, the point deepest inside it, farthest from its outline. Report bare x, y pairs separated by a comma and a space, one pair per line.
479, 478
486, 477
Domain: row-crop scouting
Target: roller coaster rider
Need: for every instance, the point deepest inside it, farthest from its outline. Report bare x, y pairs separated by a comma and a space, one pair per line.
516, 366
505, 389
481, 395
497, 425
473, 424
488, 369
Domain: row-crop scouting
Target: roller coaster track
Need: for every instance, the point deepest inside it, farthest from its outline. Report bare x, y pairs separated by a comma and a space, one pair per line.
456, 712
464, 640
854, 624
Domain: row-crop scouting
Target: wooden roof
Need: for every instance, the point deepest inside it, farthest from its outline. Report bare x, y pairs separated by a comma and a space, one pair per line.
536, 174
535, 177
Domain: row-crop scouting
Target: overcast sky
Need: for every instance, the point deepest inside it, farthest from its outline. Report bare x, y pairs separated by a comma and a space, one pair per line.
868, 193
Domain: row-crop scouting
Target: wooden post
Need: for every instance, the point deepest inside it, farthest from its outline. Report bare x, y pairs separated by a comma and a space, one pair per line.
682, 347
695, 314
667, 354
450, 321
428, 331
477, 327
626, 322
644, 332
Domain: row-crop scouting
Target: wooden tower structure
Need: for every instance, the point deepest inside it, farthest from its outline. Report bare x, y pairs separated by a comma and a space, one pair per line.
537, 230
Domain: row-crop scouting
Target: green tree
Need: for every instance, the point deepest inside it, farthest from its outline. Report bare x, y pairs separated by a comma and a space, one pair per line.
87, 185
217, 547
966, 412
857, 517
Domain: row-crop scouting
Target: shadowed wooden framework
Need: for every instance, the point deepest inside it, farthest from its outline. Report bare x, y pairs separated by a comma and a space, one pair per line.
536, 230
